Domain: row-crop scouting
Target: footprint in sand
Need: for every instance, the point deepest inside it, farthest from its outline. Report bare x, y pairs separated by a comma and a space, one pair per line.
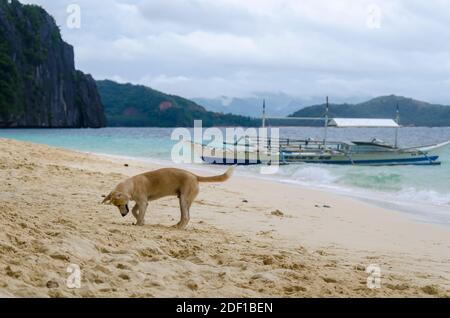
123, 266
432, 290
329, 280
192, 285
277, 213
294, 289
60, 257
12, 273
400, 287
124, 276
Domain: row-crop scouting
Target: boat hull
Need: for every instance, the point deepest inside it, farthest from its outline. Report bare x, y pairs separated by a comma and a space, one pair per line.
379, 162
415, 156
385, 162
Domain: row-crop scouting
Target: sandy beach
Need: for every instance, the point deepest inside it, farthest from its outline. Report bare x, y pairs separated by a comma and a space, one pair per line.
247, 237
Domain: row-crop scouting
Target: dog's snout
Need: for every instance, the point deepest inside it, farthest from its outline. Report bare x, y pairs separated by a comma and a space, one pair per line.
125, 210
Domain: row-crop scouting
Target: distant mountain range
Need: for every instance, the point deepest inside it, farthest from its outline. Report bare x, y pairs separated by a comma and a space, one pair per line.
278, 104
128, 105
412, 112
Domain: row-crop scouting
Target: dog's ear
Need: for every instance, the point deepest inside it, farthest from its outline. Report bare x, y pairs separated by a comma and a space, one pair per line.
107, 199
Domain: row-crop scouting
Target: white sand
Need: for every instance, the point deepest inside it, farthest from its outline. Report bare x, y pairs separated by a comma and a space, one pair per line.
51, 218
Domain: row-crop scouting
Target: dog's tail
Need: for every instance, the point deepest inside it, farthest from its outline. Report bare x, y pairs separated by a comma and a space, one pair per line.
222, 178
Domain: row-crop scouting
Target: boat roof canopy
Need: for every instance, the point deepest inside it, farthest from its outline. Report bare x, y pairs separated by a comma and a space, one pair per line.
362, 122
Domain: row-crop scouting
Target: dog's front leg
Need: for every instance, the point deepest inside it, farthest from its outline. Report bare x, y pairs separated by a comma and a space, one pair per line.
142, 209
135, 212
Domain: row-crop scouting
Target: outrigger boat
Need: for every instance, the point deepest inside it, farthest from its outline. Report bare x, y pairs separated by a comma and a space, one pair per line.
374, 153
253, 150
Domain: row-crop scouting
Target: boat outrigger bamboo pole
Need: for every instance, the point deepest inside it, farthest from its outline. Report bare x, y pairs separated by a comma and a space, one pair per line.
326, 124
397, 120
264, 114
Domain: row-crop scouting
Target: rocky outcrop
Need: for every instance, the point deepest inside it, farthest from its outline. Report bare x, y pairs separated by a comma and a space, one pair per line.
39, 85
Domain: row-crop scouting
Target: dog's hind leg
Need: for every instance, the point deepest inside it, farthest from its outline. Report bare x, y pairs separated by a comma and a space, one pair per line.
185, 217
142, 209
186, 200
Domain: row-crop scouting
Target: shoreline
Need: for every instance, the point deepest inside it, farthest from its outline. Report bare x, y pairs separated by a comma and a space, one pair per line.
247, 237
409, 210
371, 197
404, 208
423, 203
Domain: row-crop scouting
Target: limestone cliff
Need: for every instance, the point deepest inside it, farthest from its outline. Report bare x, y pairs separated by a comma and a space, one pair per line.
39, 85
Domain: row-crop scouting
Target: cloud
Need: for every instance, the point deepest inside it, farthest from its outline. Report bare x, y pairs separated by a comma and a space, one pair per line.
209, 48
194, 15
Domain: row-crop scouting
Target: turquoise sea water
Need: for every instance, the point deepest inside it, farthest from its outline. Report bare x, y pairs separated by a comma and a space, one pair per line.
422, 191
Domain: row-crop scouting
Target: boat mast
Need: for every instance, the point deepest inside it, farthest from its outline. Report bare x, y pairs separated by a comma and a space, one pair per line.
397, 120
326, 124
264, 114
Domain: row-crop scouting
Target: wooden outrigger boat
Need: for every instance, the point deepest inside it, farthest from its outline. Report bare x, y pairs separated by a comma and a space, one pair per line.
307, 151
250, 150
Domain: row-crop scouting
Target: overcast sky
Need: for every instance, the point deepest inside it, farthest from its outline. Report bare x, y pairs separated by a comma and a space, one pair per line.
209, 48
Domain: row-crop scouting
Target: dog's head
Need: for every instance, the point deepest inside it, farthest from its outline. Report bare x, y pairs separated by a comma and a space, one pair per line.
120, 200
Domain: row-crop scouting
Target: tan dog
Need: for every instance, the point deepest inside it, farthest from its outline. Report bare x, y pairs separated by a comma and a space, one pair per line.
155, 185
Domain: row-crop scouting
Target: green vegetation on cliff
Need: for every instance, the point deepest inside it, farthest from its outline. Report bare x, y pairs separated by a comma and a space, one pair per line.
11, 99
130, 105
39, 86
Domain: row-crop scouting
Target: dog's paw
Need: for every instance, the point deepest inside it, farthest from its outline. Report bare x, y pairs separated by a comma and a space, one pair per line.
180, 226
